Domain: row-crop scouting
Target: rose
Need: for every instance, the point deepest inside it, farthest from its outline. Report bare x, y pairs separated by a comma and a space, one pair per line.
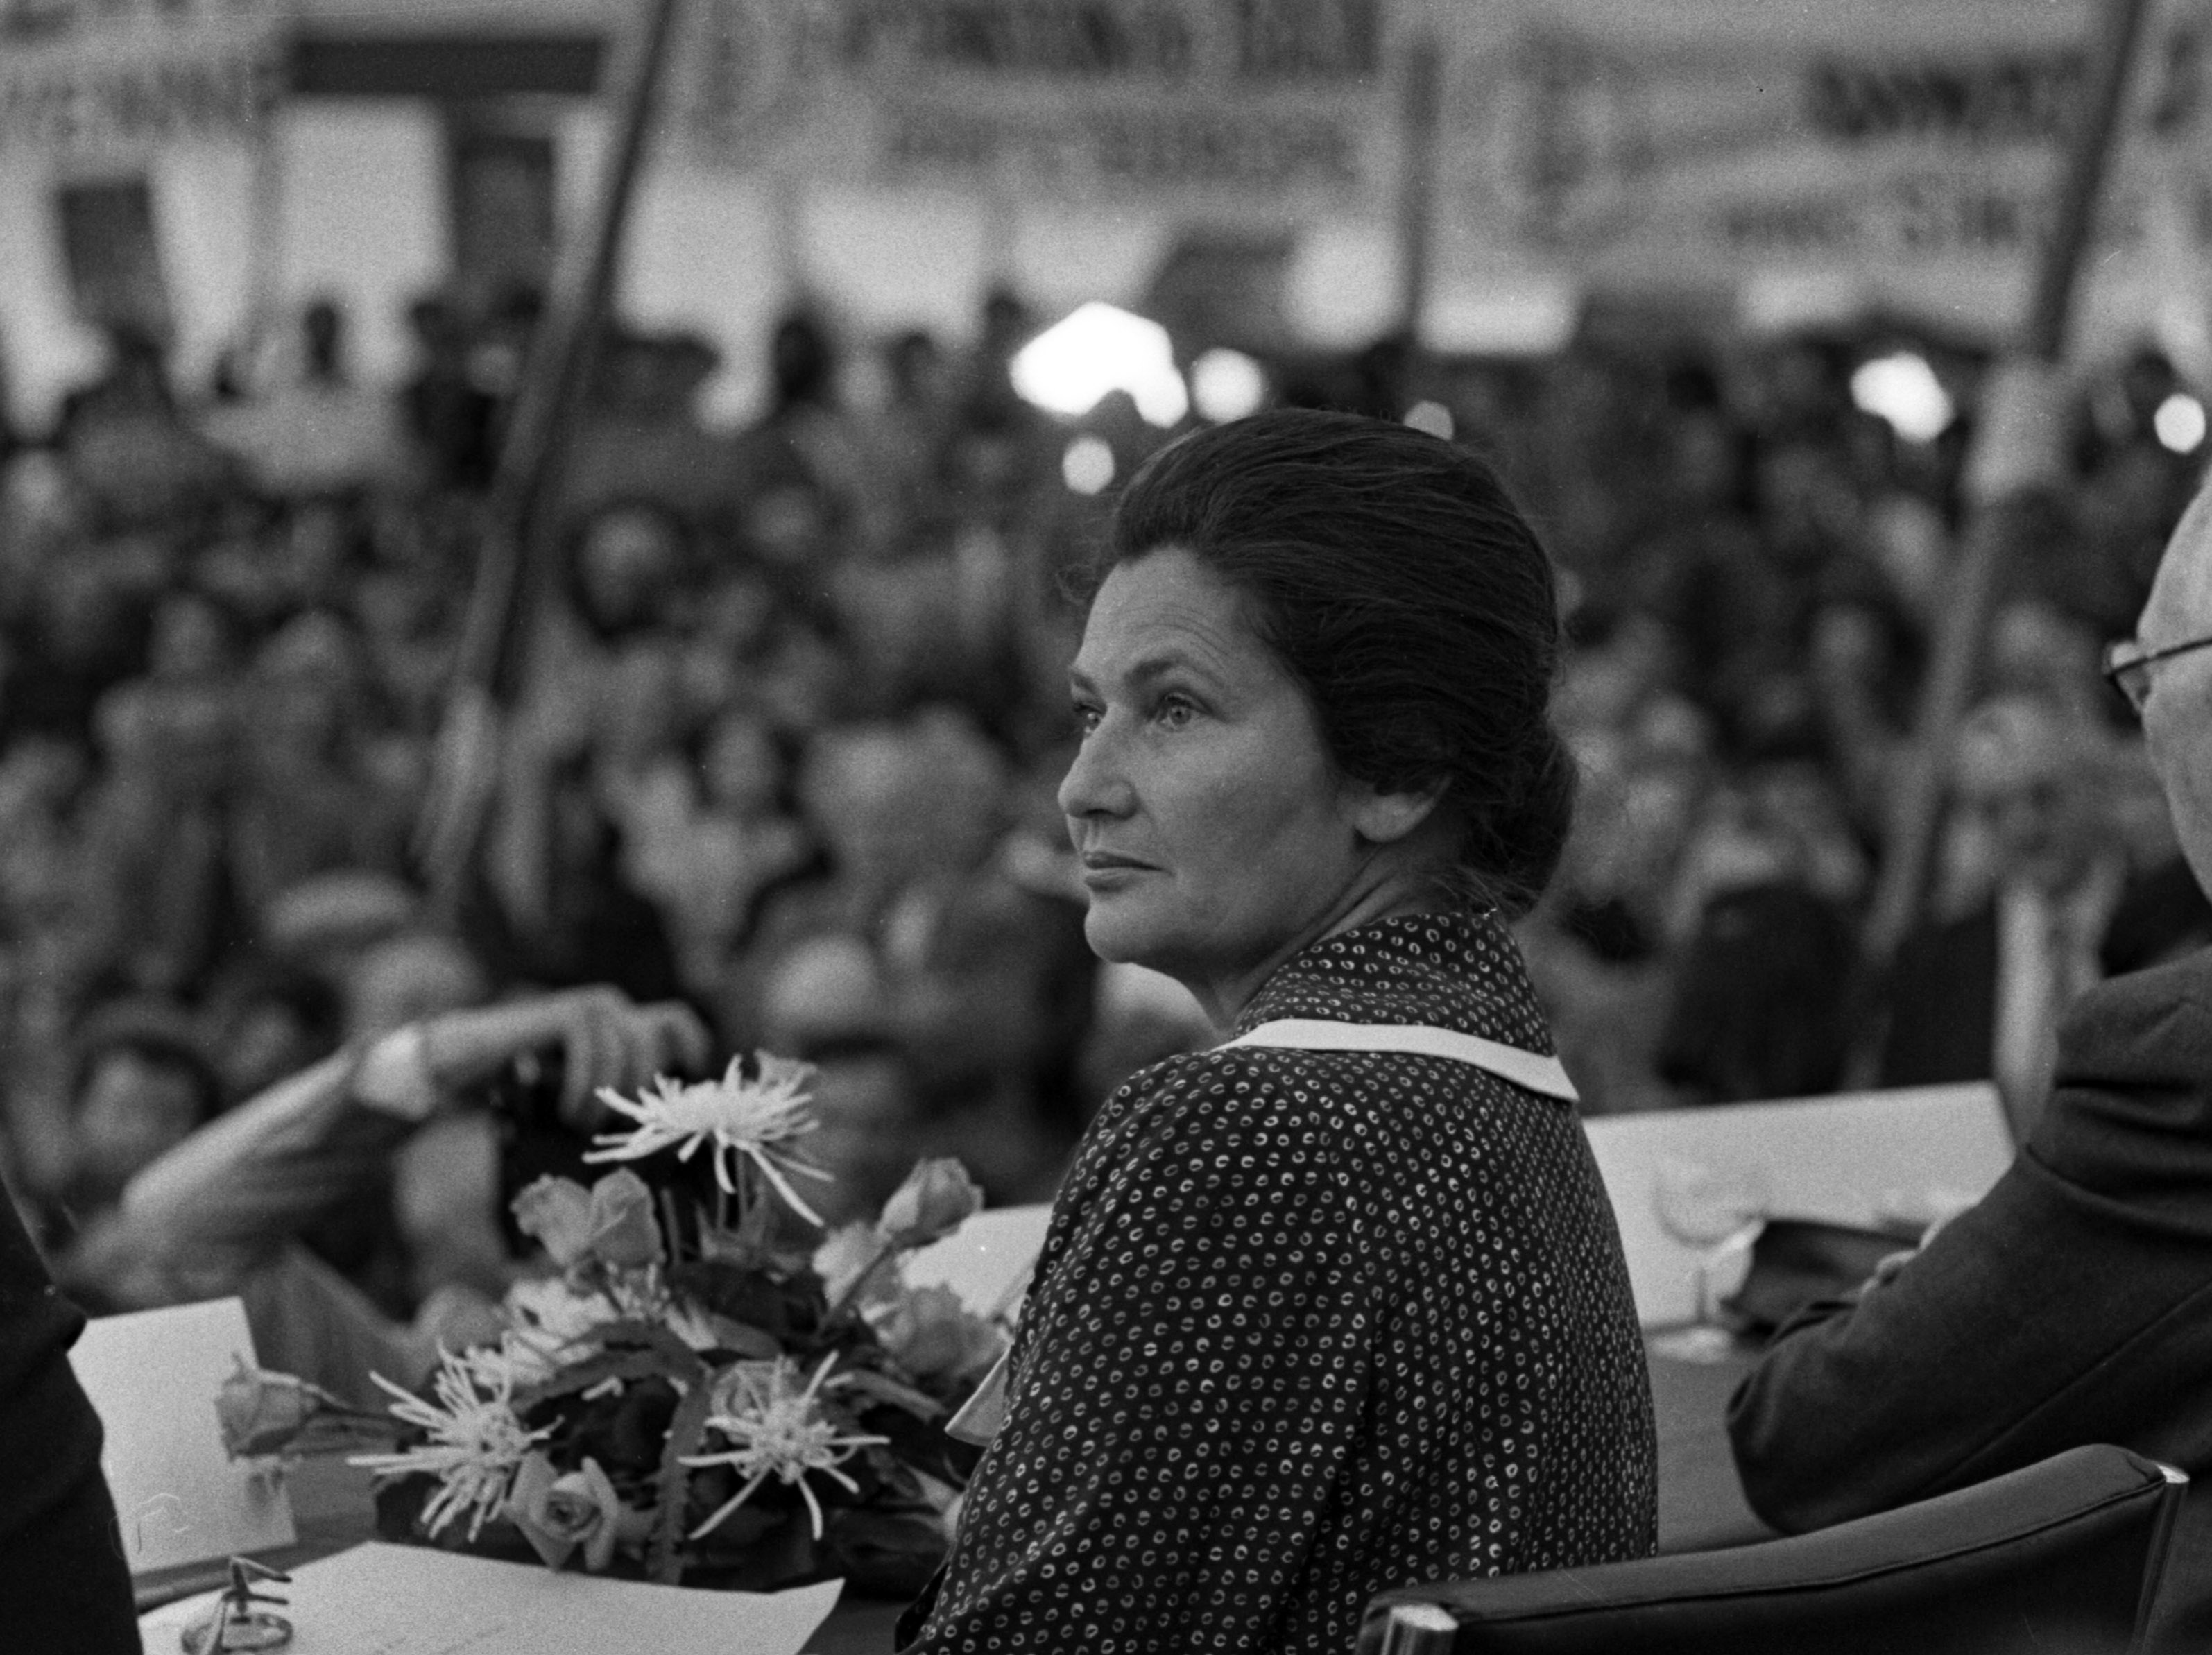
623, 1232
613, 1221
937, 1198
934, 1337
557, 1212
263, 1413
560, 1511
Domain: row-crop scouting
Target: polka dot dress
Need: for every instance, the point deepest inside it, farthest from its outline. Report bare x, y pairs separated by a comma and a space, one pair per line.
1309, 1325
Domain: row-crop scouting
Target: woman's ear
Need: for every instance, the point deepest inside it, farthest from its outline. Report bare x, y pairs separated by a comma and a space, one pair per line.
1383, 818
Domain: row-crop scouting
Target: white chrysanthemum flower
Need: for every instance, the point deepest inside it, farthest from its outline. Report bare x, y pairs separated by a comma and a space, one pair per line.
476, 1442
778, 1430
510, 1363
736, 1117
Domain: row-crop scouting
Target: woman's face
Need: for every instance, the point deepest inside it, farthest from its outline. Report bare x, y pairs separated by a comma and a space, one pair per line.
1216, 833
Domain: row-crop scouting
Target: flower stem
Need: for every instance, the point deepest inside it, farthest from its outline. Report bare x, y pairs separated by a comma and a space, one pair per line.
884, 1250
675, 1231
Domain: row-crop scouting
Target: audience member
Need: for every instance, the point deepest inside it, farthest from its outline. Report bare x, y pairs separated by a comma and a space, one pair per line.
223, 1211
1978, 992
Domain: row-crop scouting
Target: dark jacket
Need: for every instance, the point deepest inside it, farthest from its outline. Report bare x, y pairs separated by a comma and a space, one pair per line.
1942, 996
1763, 1001
1942, 990
2072, 1304
62, 1582
1308, 1325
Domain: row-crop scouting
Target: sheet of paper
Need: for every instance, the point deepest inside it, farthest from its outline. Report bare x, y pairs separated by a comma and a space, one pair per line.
410, 1600
1860, 1158
987, 1261
153, 1378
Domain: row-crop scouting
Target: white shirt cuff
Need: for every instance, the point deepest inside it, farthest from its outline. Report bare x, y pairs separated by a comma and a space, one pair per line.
394, 1078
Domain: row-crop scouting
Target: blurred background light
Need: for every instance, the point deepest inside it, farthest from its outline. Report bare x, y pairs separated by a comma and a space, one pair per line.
1227, 384
1904, 390
2179, 422
1098, 348
1088, 464
1433, 417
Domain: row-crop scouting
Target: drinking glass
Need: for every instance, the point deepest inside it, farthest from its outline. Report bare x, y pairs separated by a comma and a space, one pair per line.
1717, 1207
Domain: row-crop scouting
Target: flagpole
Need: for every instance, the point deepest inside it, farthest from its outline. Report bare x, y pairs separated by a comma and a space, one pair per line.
515, 536
2017, 458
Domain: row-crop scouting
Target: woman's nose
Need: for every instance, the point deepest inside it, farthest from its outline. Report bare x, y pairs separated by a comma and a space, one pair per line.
1095, 783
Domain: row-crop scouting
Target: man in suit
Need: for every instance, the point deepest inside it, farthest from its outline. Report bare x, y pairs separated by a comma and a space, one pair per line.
1980, 994
2073, 1304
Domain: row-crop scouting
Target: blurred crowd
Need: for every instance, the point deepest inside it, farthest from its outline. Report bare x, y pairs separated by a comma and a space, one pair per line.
785, 735
1759, 566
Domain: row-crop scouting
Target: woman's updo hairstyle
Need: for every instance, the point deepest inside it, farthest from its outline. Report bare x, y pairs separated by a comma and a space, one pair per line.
1392, 576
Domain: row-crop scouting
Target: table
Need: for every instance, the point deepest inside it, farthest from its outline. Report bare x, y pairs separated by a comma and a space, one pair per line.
1701, 1504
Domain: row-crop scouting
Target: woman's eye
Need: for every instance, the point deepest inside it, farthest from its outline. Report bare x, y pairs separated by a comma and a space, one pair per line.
1176, 711
1086, 718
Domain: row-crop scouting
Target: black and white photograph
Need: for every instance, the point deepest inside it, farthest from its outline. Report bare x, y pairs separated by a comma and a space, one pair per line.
991, 827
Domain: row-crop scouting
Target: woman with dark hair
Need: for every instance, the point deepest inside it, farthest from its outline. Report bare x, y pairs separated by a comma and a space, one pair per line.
1339, 1306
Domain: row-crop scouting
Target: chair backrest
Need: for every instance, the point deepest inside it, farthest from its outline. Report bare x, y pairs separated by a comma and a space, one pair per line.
2065, 1554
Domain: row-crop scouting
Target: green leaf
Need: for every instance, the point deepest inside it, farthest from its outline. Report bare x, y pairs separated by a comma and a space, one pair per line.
751, 1344
664, 1555
884, 1388
682, 1362
592, 1370
782, 1304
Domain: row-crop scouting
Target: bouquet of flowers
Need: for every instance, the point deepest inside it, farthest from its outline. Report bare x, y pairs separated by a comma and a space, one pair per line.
691, 1396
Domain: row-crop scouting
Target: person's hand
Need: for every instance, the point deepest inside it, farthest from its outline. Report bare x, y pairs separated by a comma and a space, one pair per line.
606, 1039
1886, 1267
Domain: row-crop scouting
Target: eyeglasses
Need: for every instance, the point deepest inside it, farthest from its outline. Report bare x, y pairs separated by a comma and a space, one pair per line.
2128, 663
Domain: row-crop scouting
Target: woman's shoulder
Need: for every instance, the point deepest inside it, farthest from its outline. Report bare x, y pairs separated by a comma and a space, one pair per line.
1258, 1075
1205, 1143
1245, 1110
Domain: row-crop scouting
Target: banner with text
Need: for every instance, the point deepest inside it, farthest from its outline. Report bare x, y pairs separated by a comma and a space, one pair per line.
92, 77
1282, 105
1905, 146
1705, 138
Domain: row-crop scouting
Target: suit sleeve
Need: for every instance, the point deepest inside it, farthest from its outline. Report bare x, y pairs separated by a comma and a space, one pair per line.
2069, 1306
1198, 1371
62, 1582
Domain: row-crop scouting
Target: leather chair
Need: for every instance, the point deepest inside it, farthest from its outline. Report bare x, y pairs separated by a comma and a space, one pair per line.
2065, 1555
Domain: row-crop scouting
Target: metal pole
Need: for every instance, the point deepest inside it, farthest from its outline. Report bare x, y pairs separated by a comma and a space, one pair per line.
1422, 96
265, 271
2007, 489
545, 411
